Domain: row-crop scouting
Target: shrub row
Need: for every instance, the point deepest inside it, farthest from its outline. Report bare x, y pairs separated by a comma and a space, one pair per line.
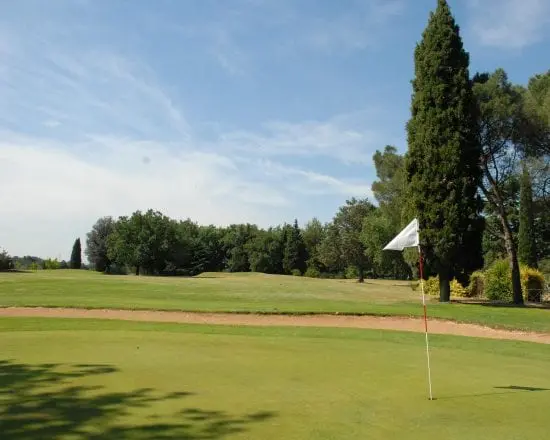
495, 284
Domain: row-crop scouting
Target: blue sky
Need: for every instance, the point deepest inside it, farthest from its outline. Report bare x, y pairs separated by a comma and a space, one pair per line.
219, 110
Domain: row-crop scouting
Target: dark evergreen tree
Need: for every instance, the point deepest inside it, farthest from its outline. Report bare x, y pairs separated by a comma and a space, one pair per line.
349, 223
527, 247
76, 255
294, 256
442, 163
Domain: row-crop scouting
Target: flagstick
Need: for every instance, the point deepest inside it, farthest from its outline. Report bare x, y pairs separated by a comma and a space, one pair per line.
425, 319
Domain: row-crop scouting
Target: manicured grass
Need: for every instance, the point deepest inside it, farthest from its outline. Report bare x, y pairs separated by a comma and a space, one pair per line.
92, 379
248, 293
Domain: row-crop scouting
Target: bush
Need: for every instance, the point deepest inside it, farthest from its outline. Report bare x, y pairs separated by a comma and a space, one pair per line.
431, 287
458, 290
351, 273
115, 269
498, 281
296, 272
532, 284
50, 264
312, 272
476, 287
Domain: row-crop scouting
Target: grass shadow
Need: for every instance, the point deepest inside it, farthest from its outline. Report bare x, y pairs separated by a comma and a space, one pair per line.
46, 401
504, 304
509, 389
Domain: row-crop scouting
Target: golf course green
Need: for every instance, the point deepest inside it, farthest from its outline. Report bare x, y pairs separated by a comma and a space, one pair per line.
94, 379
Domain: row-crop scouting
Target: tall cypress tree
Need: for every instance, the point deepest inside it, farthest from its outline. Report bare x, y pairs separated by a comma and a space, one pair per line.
76, 255
442, 162
527, 247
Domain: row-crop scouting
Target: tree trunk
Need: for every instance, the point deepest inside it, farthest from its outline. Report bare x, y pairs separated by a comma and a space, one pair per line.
444, 287
514, 264
361, 274
137, 270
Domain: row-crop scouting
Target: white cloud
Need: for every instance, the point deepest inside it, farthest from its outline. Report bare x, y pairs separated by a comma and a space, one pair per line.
50, 192
509, 24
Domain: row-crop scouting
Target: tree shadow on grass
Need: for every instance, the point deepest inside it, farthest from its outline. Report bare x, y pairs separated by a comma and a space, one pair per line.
504, 304
44, 402
509, 389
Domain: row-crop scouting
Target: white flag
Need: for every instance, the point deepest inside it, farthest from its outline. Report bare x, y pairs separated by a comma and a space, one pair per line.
408, 237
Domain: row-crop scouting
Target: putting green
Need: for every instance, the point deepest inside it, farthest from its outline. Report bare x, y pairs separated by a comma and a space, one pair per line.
92, 379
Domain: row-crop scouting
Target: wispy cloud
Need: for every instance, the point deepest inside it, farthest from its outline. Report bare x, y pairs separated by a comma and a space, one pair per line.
357, 28
509, 24
307, 139
313, 183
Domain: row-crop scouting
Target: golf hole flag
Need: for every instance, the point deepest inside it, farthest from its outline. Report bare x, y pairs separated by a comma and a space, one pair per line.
409, 237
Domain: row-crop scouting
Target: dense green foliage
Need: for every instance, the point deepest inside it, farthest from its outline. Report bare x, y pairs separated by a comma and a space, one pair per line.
96, 244
442, 160
497, 282
76, 255
509, 131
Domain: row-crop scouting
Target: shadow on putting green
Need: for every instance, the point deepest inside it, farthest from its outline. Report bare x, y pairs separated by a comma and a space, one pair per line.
509, 389
45, 401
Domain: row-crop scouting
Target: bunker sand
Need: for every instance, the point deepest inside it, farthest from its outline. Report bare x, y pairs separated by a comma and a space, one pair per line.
436, 326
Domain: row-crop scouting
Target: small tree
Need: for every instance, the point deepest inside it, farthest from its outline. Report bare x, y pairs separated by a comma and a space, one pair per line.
76, 255
5, 260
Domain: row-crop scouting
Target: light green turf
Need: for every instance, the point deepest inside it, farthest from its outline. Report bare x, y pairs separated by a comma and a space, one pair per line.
247, 293
91, 379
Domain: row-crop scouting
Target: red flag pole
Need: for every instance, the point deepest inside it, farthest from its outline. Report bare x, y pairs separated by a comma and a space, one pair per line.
425, 318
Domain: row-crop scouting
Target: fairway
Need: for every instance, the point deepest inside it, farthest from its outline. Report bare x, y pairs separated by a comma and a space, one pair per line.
248, 293
93, 379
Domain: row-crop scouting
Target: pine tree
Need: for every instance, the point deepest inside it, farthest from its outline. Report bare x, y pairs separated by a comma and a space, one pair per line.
294, 256
442, 162
527, 248
76, 255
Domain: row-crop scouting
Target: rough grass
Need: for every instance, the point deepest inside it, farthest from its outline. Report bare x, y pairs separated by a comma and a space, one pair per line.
251, 293
92, 379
